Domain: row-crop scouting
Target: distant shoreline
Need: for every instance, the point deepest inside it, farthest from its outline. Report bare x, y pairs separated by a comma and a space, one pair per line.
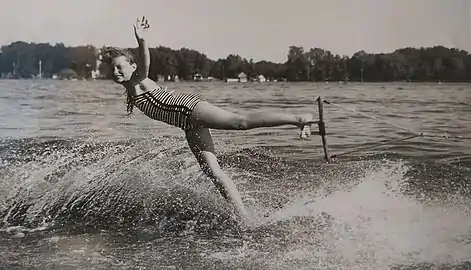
254, 82
430, 64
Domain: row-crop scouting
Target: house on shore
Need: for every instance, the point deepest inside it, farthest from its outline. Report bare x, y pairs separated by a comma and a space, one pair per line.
198, 77
242, 77
261, 78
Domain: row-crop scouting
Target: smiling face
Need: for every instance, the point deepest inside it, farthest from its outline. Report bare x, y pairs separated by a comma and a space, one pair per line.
122, 69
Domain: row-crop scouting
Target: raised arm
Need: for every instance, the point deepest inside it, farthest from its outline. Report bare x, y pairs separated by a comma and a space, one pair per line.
144, 55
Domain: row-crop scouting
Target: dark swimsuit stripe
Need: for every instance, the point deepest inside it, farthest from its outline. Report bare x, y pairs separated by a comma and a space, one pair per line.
161, 105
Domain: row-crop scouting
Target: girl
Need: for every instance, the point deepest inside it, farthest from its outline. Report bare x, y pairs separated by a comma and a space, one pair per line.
193, 115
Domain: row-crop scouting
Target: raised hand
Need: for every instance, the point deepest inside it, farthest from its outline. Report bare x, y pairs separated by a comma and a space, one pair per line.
140, 27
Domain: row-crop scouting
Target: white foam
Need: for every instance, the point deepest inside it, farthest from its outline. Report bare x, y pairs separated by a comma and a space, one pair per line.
376, 226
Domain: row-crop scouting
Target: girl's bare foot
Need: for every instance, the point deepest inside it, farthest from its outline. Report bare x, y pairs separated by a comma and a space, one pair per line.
306, 121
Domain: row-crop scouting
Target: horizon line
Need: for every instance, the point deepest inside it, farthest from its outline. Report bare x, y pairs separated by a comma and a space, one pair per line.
236, 54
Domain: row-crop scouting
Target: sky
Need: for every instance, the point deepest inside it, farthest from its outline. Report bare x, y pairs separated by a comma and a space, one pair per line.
258, 29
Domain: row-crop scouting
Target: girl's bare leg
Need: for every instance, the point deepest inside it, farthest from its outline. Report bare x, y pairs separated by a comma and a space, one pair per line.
201, 144
209, 116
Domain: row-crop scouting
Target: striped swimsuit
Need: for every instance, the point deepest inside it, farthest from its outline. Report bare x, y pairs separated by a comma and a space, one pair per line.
161, 105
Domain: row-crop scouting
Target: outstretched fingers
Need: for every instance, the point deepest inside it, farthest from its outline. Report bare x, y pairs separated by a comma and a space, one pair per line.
142, 22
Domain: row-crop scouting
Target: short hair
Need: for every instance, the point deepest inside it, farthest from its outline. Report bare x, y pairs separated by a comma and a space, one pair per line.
109, 53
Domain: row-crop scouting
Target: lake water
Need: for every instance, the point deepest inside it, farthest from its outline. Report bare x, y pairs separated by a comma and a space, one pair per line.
84, 186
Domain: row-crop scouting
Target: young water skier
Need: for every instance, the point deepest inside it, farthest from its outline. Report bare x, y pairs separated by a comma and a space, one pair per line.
194, 115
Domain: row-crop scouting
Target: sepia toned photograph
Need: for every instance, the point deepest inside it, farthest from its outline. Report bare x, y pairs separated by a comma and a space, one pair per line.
303, 134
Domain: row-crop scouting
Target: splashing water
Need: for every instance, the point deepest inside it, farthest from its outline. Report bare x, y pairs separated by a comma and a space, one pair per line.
376, 226
355, 215
105, 185
369, 225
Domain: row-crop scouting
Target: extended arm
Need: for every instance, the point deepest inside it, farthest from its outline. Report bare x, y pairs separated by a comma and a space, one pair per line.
144, 53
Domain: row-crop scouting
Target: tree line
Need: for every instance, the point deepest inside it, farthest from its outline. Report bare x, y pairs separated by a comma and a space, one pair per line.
26, 60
